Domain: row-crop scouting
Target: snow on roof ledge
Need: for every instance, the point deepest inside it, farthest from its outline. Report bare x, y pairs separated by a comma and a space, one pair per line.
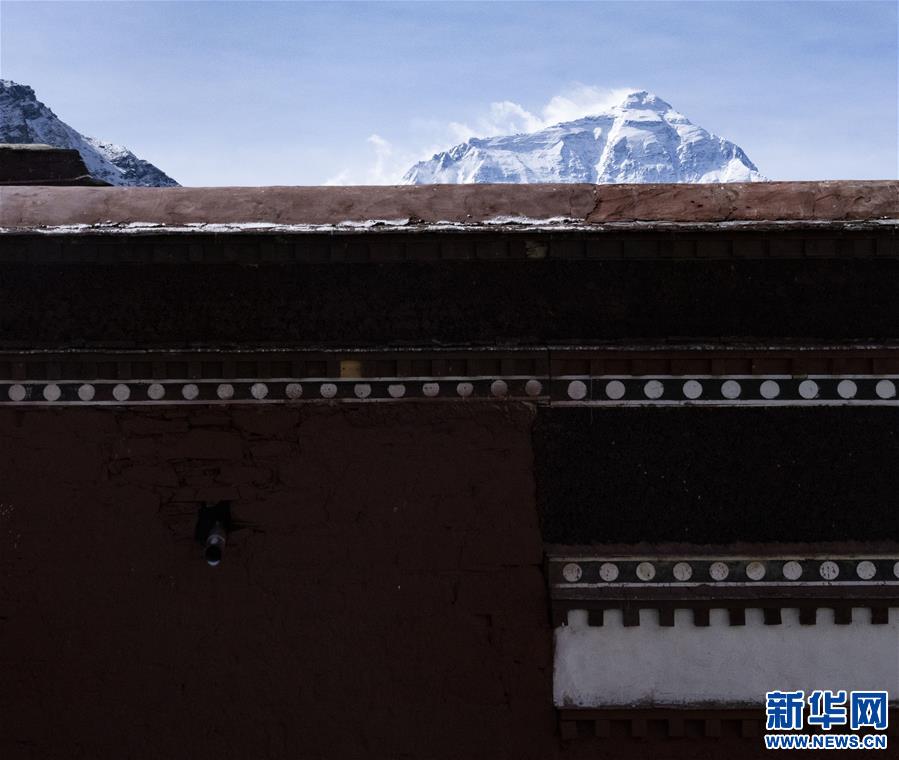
434, 206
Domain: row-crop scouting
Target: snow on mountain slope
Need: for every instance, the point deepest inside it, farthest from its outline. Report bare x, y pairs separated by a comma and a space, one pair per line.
642, 139
24, 119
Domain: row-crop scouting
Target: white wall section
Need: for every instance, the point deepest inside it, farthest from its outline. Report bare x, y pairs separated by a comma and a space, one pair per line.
649, 665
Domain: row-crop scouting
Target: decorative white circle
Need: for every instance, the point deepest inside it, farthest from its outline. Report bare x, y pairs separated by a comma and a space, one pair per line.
646, 571
615, 389
499, 388
896, 569
572, 572
885, 389
608, 571
653, 389
829, 570
259, 391
293, 390
730, 389
533, 387
755, 571
769, 389
464, 389
808, 389
396, 390
792, 570
718, 571
17, 392
682, 571
692, 389
156, 391
362, 390
225, 391
190, 391
866, 570
52, 392
121, 392
328, 390
847, 389
86, 392
430, 389
577, 390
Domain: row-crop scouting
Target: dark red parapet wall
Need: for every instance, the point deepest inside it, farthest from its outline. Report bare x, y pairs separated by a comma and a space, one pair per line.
30, 207
146, 305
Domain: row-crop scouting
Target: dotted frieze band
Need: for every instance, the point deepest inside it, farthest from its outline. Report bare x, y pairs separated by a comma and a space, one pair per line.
738, 390
272, 391
597, 573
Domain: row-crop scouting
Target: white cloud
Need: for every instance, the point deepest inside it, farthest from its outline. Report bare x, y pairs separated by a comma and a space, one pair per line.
383, 154
341, 178
386, 167
581, 101
502, 117
461, 132
505, 117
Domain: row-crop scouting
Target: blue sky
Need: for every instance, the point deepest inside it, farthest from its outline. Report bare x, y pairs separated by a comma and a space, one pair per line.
251, 93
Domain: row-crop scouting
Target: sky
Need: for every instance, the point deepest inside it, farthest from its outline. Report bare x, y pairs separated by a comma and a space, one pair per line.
307, 93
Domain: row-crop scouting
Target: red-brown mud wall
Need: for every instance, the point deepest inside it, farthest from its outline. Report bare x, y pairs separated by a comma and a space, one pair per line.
383, 599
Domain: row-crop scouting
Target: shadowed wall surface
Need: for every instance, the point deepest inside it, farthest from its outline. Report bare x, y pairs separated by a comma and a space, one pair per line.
717, 476
382, 597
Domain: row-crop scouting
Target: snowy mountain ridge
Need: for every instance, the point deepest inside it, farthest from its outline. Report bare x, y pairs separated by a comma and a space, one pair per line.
25, 119
641, 139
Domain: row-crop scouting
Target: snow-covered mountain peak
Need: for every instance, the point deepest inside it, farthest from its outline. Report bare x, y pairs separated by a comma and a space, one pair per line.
644, 99
25, 119
642, 138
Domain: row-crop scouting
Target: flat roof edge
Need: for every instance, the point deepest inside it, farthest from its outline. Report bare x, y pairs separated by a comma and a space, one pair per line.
442, 207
